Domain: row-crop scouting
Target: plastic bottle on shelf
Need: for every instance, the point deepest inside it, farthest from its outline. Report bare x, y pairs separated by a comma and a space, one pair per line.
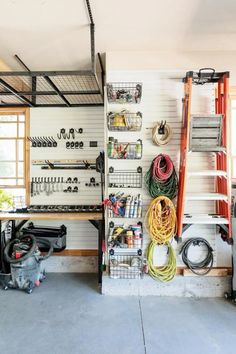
138, 149
110, 148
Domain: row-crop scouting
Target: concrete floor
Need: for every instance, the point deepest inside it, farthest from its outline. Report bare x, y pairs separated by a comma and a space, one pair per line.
67, 315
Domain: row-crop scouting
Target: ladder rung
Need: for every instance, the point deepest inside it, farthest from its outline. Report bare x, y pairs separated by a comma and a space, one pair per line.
210, 173
206, 196
204, 219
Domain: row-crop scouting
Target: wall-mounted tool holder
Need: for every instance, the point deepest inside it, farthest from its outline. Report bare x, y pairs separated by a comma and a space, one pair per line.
124, 92
65, 164
71, 189
50, 185
125, 178
92, 183
125, 238
71, 133
124, 121
42, 141
74, 144
47, 185
124, 206
124, 151
128, 266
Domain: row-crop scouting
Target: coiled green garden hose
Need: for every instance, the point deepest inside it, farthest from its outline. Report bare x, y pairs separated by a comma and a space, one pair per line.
166, 272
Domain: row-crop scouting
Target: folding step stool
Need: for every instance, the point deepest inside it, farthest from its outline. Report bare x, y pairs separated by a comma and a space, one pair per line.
205, 133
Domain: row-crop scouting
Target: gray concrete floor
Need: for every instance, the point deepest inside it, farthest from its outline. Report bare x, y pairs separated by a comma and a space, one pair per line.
67, 315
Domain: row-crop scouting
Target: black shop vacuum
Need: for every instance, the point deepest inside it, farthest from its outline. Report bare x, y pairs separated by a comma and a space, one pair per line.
25, 262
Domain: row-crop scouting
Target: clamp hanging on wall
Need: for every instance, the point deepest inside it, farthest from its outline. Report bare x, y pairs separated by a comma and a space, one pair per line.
70, 135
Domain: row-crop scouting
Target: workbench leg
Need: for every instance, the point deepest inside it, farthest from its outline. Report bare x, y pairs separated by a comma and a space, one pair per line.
100, 253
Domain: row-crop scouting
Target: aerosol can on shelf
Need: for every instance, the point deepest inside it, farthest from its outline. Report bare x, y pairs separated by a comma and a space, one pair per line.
127, 206
131, 212
139, 206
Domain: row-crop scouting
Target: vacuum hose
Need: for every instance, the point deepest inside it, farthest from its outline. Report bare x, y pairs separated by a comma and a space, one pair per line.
30, 252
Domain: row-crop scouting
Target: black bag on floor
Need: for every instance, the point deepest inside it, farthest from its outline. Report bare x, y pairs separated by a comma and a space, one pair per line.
55, 235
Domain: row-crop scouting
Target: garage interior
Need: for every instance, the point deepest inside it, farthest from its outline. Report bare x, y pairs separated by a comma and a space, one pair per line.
117, 176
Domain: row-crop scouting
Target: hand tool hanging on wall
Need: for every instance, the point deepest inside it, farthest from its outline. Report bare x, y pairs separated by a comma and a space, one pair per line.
161, 178
49, 185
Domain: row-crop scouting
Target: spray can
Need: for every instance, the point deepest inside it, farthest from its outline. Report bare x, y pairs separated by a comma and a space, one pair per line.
135, 214
131, 212
139, 206
127, 206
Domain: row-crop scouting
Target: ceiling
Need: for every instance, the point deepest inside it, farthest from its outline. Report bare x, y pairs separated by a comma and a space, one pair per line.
54, 34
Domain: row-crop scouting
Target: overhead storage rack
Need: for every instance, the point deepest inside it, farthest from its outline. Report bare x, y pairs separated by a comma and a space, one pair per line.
50, 89
54, 88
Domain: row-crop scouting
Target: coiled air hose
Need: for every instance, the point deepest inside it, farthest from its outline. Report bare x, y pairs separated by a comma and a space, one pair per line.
164, 138
166, 272
160, 220
161, 178
202, 267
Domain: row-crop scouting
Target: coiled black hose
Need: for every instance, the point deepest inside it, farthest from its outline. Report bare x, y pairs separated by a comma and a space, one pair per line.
202, 267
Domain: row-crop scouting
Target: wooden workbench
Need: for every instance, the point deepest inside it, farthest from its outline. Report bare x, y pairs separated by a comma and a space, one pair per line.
50, 216
96, 219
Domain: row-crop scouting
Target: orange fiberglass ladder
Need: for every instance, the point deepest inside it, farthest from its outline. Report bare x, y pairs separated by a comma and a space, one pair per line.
206, 133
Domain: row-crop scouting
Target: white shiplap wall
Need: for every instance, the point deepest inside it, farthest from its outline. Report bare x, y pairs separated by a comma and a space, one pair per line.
162, 100
48, 122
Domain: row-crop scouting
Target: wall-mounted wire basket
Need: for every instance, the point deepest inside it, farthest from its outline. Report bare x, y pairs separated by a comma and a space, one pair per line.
125, 178
125, 238
124, 121
126, 266
124, 92
124, 206
124, 150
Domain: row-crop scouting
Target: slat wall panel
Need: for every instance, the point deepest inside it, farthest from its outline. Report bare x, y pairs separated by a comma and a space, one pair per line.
48, 122
162, 100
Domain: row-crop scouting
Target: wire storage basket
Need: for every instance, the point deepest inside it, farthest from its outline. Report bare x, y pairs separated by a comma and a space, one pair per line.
125, 178
124, 92
126, 266
125, 238
124, 121
124, 150
124, 206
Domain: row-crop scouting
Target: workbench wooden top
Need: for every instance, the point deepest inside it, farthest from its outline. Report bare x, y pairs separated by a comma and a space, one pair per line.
50, 216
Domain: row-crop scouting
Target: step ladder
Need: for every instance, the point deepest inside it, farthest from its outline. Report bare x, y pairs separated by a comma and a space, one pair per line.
208, 134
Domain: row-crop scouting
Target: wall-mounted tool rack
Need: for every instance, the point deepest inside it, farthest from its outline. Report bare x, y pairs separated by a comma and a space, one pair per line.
65, 164
124, 92
125, 178
124, 121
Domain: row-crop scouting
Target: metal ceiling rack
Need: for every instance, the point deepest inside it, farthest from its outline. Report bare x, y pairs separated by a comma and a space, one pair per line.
54, 88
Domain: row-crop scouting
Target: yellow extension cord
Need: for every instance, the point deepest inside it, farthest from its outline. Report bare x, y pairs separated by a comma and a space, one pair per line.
166, 272
160, 221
